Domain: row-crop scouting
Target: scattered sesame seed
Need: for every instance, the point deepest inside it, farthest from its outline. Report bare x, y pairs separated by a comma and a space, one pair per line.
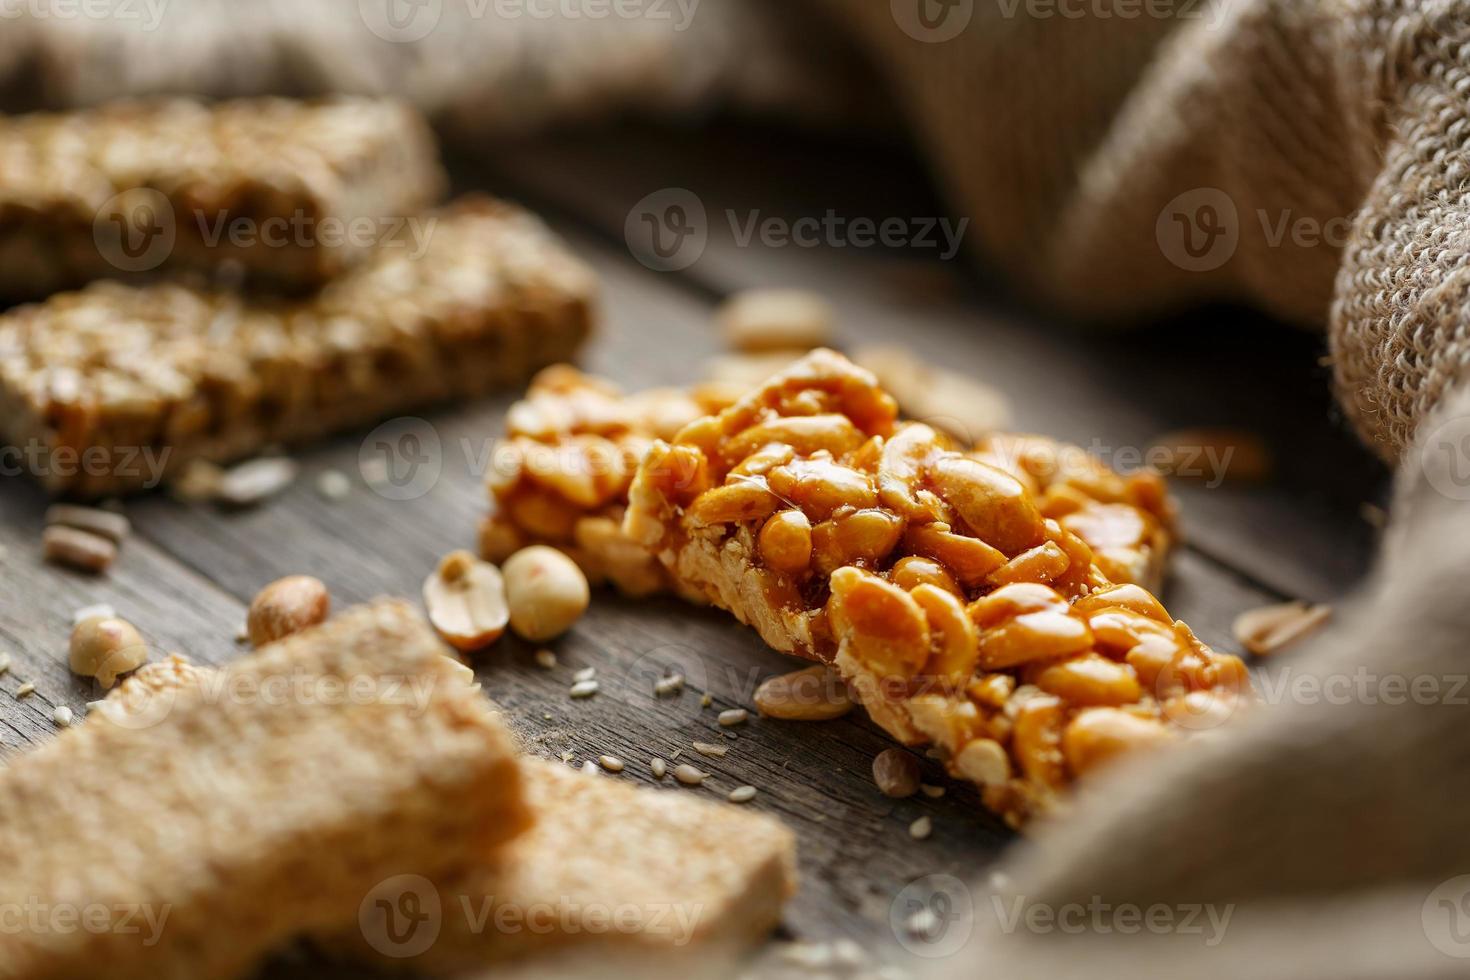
921, 828
659, 767
924, 922
847, 953
688, 775
546, 659
584, 689
585, 674
589, 767
666, 686
709, 749
567, 755
25, 690
4, 662
933, 792
610, 762
706, 701
546, 716
62, 716
333, 485
733, 717
742, 794
816, 956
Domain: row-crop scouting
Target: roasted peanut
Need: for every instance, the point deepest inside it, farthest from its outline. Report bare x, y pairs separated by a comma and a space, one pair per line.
785, 542
466, 601
813, 694
776, 319
896, 773
992, 503
1097, 735
288, 605
105, 647
546, 592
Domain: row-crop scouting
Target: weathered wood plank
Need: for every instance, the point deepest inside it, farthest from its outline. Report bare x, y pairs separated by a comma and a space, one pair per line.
187, 573
175, 609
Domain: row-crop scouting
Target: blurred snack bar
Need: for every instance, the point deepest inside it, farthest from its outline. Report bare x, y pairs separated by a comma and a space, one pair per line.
199, 819
289, 193
607, 871
115, 387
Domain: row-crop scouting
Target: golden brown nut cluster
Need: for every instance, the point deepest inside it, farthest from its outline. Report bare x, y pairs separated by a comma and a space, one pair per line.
957, 593
561, 476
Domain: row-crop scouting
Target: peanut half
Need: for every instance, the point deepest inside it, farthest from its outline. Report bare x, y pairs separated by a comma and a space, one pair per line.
811, 694
288, 605
466, 601
105, 647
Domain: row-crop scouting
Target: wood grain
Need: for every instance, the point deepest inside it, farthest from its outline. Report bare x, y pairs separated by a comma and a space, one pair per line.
188, 571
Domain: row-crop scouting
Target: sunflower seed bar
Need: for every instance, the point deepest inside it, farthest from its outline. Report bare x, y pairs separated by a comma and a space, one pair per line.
953, 595
561, 474
287, 192
114, 387
199, 819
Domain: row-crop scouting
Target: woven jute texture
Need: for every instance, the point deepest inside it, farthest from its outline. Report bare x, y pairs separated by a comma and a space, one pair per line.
1304, 156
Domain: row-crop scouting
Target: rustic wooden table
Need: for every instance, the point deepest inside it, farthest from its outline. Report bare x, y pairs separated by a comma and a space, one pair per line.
187, 573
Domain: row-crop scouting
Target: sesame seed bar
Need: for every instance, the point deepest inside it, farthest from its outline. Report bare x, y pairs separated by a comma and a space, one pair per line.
289, 193
953, 596
97, 383
608, 873
202, 819
606, 869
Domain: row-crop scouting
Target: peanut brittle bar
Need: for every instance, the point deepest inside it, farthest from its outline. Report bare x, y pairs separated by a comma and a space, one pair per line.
572, 445
561, 475
955, 598
208, 817
288, 192
93, 384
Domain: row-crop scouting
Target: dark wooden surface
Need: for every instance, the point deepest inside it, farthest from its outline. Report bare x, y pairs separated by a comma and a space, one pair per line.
185, 576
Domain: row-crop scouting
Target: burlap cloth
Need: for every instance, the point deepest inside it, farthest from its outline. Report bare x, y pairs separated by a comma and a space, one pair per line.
1116, 157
